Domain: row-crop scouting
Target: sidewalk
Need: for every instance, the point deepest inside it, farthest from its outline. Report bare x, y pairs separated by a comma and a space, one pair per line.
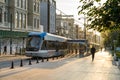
67, 69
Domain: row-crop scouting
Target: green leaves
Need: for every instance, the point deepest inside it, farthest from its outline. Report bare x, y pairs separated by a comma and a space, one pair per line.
102, 17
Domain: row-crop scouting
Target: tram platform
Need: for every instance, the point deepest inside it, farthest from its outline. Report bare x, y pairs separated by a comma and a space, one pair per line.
73, 68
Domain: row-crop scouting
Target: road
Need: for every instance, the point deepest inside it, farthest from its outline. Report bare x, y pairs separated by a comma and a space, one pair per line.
6, 61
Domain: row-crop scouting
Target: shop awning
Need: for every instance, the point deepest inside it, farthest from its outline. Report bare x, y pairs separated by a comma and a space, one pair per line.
13, 34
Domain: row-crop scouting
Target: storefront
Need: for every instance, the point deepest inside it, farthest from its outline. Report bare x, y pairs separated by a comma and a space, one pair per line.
15, 39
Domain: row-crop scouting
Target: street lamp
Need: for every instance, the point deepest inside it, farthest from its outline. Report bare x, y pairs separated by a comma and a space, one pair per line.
10, 20
84, 26
0, 17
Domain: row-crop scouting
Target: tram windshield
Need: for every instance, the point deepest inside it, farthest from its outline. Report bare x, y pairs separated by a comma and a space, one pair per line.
33, 43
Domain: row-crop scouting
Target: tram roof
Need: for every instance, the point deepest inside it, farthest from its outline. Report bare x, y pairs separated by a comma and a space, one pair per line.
48, 36
41, 34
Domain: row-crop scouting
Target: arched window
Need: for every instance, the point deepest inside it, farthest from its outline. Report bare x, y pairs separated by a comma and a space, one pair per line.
6, 15
17, 20
16, 17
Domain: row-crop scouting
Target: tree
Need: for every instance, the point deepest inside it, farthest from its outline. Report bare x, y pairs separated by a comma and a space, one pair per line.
109, 36
102, 17
118, 39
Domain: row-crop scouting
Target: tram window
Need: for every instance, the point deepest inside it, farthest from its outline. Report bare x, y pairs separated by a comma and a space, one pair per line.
51, 45
44, 45
33, 43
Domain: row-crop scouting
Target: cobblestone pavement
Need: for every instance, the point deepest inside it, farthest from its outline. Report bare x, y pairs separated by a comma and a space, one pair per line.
74, 68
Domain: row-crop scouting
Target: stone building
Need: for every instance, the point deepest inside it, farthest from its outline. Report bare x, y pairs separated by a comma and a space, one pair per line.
17, 18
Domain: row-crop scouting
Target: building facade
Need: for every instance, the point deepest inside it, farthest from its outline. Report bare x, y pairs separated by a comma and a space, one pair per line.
48, 15
34, 15
18, 17
65, 26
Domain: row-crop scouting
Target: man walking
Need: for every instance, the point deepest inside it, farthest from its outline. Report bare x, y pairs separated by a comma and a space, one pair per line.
93, 50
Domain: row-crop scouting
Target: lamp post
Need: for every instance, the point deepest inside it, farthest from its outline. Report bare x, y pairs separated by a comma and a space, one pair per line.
0, 17
84, 30
11, 33
2, 10
84, 27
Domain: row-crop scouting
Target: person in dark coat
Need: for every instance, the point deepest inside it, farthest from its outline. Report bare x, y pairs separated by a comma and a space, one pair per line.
93, 50
5, 50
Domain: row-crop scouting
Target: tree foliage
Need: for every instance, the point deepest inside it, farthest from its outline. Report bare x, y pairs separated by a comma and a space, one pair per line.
102, 17
109, 36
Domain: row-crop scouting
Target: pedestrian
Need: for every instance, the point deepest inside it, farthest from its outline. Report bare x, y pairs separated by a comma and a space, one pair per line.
101, 49
93, 50
5, 50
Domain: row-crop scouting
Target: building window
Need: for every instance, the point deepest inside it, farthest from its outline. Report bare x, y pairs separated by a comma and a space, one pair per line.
22, 4
25, 4
0, 15
70, 24
38, 24
19, 20
16, 17
38, 7
6, 1
24, 21
6, 16
17, 3
34, 6
34, 22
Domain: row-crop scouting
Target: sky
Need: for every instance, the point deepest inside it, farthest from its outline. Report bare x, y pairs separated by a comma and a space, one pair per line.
69, 7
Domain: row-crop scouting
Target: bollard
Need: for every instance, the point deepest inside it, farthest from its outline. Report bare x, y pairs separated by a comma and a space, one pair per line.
47, 59
76, 51
53, 57
37, 60
30, 62
21, 63
12, 65
57, 57
42, 59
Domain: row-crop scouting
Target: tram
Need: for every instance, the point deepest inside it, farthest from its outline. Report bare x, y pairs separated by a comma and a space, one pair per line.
42, 44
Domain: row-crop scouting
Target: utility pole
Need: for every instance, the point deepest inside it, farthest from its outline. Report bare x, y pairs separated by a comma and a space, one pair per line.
10, 33
84, 27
